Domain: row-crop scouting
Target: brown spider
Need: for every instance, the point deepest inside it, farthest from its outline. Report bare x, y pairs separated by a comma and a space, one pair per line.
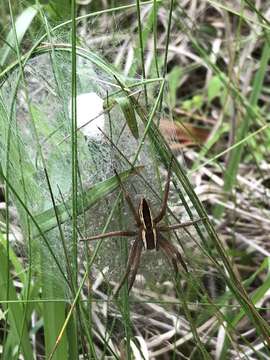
148, 235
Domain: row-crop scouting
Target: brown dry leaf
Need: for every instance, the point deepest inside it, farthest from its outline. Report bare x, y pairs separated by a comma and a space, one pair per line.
180, 135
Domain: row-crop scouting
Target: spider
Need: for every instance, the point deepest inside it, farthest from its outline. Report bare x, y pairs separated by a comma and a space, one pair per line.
148, 235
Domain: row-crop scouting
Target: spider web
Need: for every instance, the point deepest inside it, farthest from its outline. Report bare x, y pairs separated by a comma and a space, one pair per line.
40, 138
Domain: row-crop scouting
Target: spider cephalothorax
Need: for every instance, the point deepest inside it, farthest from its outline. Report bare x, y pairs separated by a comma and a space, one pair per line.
148, 226
148, 235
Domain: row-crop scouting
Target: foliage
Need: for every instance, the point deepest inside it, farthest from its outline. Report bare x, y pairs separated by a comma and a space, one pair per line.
202, 69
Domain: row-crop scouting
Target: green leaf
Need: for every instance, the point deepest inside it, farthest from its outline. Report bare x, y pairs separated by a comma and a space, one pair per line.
173, 81
59, 9
17, 334
215, 87
22, 24
47, 220
54, 314
194, 103
129, 113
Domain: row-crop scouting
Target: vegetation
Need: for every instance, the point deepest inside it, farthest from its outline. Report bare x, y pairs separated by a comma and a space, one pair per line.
90, 88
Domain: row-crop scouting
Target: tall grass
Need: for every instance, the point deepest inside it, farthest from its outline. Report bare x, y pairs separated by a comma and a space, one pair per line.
63, 308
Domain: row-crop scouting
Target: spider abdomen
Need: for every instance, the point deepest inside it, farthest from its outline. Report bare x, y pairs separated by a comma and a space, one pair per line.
149, 239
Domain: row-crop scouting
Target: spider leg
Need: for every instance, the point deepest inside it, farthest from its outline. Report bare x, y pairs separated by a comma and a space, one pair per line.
132, 257
172, 253
128, 200
165, 197
135, 266
170, 257
110, 234
179, 225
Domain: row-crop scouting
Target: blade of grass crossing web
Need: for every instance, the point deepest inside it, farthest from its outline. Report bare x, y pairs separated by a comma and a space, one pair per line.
39, 230
14, 260
71, 334
84, 315
86, 311
23, 323
164, 72
74, 175
150, 27
21, 202
140, 31
124, 305
7, 219
16, 313
51, 323
28, 234
47, 219
13, 155
21, 25
151, 116
86, 275
63, 24
123, 177
148, 127
129, 113
155, 16
54, 312
74, 144
57, 72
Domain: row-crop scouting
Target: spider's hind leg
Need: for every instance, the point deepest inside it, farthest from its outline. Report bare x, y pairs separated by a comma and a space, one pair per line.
132, 266
135, 266
172, 254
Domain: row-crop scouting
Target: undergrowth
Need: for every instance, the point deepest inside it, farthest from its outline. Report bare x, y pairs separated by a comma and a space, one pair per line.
138, 88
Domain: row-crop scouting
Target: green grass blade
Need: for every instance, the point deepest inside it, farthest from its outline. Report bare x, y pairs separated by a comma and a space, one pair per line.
16, 311
22, 24
232, 281
236, 154
129, 113
140, 31
54, 315
47, 219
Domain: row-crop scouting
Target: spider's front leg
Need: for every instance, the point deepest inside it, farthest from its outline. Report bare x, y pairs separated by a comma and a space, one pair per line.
178, 225
162, 212
128, 200
110, 234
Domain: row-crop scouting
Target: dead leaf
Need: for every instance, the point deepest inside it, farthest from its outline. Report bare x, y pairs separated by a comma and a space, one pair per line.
180, 135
